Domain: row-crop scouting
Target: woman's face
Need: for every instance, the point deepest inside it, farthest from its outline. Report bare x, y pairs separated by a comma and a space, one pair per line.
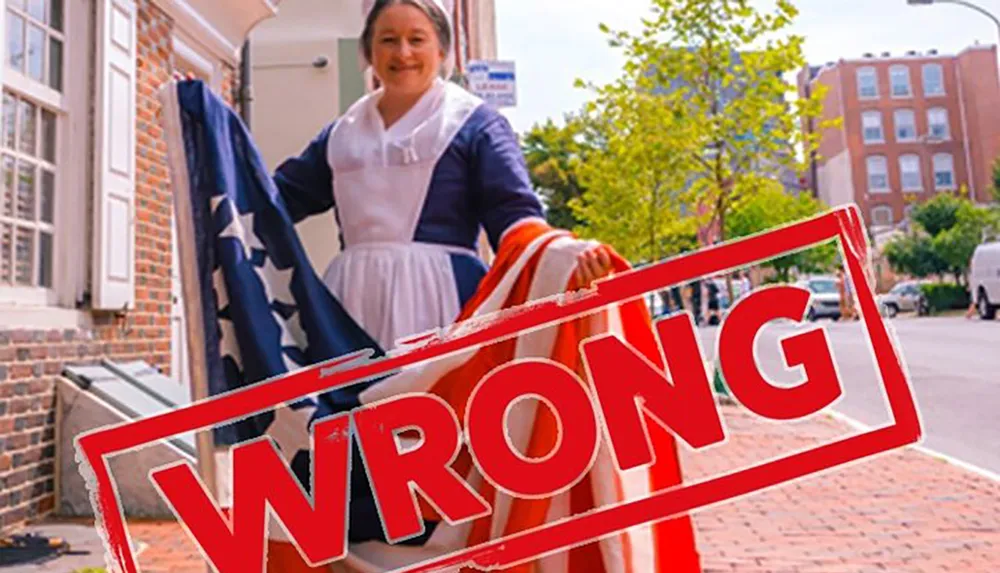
406, 52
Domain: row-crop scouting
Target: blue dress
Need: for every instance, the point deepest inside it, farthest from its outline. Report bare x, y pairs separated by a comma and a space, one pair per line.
410, 201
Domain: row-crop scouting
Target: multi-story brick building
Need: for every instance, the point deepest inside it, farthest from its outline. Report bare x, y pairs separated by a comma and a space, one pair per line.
912, 125
86, 265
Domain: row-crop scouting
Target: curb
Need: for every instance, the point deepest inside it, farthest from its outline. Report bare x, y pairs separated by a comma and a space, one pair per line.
861, 427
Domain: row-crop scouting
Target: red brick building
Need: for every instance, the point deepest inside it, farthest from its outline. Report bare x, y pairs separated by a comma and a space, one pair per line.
913, 125
86, 264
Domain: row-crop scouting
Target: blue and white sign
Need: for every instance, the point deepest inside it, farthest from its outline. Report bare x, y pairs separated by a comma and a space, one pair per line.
494, 81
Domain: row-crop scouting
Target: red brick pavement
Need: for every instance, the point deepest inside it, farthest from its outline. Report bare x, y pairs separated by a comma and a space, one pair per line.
900, 512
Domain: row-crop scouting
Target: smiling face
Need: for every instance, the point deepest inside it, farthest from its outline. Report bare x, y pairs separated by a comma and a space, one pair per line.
406, 53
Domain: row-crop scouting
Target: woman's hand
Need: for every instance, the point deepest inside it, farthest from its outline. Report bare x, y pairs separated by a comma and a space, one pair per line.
593, 264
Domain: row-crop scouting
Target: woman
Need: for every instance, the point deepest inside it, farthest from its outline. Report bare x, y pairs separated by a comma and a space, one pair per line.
413, 172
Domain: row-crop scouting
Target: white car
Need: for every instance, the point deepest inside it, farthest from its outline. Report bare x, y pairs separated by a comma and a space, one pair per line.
904, 297
984, 279
825, 301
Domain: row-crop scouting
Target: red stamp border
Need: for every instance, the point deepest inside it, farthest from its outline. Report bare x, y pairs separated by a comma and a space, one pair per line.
844, 224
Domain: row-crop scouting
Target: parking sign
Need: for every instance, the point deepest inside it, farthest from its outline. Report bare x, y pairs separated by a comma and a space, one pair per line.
494, 81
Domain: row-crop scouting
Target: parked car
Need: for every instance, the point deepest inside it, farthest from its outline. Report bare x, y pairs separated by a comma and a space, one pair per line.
904, 297
984, 279
825, 301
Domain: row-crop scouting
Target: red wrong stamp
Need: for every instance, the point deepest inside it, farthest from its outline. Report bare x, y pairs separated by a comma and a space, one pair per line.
627, 394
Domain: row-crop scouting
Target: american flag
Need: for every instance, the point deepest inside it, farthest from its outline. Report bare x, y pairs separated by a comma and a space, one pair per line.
265, 312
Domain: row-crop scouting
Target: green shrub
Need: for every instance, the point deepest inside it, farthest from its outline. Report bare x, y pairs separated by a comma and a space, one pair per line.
941, 297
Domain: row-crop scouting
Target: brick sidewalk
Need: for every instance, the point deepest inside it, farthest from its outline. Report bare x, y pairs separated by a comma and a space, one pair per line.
903, 511
900, 512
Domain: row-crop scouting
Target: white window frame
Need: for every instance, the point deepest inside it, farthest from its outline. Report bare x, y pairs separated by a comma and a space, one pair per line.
881, 126
871, 72
896, 115
55, 307
892, 83
930, 123
882, 209
949, 159
940, 72
875, 160
903, 159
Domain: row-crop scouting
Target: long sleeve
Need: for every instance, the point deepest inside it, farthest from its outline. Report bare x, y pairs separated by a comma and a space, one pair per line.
503, 189
306, 182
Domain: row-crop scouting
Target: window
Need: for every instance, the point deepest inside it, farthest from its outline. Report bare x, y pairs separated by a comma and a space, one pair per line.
871, 126
944, 171
906, 125
35, 40
899, 78
27, 215
909, 170
882, 216
878, 174
32, 110
937, 124
867, 83
933, 80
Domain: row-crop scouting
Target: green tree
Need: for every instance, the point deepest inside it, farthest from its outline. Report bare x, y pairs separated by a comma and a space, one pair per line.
551, 152
948, 230
996, 182
771, 207
632, 182
704, 87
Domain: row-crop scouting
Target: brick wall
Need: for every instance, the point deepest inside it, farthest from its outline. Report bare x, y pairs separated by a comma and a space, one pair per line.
32, 360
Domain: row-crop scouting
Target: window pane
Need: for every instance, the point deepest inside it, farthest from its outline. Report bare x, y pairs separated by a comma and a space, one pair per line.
6, 245
28, 128
45, 260
15, 41
56, 15
9, 121
36, 9
26, 191
19, 4
36, 53
55, 64
48, 136
48, 196
900, 81
24, 257
933, 79
8, 186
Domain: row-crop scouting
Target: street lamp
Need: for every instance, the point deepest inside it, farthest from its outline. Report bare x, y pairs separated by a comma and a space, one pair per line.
979, 9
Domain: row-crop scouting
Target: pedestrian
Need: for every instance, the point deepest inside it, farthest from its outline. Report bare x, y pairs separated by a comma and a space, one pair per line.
412, 171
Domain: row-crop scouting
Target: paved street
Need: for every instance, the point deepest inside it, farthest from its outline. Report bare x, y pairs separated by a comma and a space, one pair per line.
954, 367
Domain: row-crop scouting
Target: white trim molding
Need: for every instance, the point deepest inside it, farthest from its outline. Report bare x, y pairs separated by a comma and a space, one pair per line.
220, 25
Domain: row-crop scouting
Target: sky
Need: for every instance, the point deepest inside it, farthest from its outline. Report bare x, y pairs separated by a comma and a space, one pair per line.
553, 42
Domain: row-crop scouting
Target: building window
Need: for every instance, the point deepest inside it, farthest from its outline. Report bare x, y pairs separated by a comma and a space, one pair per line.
933, 80
909, 170
944, 171
867, 83
899, 77
871, 125
906, 125
30, 134
35, 40
878, 174
937, 124
882, 216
